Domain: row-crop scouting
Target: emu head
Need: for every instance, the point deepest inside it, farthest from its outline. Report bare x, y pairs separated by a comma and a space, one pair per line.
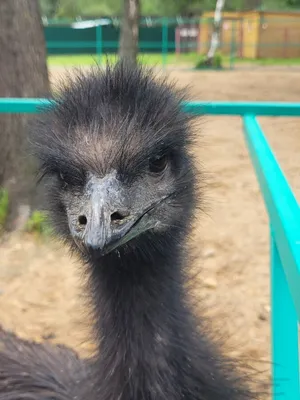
114, 153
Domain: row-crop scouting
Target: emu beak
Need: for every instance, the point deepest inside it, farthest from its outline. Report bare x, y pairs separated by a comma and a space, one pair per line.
107, 219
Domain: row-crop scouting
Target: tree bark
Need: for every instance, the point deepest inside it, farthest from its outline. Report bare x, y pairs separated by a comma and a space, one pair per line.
23, 73
215, 38
129, 36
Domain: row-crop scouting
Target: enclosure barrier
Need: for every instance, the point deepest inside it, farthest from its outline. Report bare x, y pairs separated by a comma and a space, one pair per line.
256, 37
284, 216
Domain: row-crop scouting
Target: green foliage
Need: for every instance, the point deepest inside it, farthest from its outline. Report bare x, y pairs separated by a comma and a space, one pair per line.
49, 7
38, 223
97, 8
68, 9
4, 207
215, 63
83, 8
294, 3
174, 7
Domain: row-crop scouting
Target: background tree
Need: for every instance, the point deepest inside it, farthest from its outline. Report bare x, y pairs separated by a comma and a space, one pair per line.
129, 35
215, 37
23, 73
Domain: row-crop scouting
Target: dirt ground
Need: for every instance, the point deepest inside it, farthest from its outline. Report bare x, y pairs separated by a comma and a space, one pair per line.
40, 294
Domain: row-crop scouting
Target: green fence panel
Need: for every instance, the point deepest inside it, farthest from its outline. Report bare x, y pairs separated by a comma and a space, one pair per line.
66, 40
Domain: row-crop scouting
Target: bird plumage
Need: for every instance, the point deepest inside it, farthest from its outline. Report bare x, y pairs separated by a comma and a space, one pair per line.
39, 371
119, 139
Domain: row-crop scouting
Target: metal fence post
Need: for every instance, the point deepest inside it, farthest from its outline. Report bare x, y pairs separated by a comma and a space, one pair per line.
284, 332
99, 43
164, 42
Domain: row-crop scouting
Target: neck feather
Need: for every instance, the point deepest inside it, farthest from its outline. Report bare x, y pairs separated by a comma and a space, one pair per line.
149, 347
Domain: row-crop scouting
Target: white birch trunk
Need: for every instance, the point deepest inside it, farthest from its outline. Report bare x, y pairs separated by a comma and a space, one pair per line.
215, 38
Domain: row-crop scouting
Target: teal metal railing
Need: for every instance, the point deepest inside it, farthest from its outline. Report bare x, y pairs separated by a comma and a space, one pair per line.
284, 217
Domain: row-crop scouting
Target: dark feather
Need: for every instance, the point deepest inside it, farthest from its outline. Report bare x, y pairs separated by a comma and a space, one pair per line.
34, 371
150, 344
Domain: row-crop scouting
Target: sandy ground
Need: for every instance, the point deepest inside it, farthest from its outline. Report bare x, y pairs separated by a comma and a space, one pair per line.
40, 294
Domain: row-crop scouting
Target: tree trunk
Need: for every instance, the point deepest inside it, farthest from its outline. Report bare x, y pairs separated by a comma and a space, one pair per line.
129, 37
215, 38
23, 73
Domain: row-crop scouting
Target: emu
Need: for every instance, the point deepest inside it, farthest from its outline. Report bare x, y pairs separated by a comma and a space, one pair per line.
114, 155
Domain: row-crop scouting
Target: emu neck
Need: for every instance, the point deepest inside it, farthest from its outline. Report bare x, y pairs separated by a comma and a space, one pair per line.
149, 347
137, 296
141, 320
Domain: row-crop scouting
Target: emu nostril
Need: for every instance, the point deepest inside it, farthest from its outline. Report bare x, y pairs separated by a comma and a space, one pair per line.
82, 220
118, 216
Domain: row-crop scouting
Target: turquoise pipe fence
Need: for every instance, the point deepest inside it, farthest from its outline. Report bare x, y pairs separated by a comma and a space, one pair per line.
284, 217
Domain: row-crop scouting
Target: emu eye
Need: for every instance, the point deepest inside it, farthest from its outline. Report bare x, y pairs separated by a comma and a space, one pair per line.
62, 178
158, 164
